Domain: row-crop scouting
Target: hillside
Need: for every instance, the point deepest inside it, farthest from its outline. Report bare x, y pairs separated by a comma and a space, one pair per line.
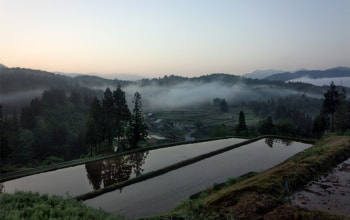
20, 85
313, 74
260, 74
20, 79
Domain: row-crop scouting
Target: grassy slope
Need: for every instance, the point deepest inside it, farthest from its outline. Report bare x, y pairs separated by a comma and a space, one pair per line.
27, 205
263, 194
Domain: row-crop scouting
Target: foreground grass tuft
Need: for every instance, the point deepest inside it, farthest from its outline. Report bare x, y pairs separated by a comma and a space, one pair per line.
28, 205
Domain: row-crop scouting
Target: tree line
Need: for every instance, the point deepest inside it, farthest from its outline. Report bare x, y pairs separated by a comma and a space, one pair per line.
334, 115
50, 129
111, 123
295, 116
63, 125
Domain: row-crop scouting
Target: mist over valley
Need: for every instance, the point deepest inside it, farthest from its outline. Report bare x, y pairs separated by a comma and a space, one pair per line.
20, 85
49, 119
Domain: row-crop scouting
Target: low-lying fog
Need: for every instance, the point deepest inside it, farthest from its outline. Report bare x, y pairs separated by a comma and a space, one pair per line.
155, 97
191, 94
338, 81
13, 102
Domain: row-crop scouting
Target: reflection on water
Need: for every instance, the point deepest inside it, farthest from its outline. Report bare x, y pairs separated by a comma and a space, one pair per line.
141, 199
270, 141
107, 172
82, 179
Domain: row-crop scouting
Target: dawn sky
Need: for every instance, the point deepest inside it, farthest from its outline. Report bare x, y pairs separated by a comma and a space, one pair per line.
182, 37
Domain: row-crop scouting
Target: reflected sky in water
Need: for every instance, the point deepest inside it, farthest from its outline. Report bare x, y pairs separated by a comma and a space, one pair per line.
163, 193
85, 178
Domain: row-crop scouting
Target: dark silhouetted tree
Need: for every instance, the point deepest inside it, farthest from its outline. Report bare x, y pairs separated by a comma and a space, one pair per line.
321, 123
108, 113
27, 118
285, 127
122, 113
96, 112
267, 126
342, 114
94, 134
91, 133
331, 102
241, 127
223, 106
138, 128
5, 149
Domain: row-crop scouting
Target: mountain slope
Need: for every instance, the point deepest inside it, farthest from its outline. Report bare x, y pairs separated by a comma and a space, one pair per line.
313, 74
260, 74
20, 79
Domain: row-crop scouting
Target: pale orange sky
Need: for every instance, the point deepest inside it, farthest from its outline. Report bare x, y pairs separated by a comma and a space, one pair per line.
190, 38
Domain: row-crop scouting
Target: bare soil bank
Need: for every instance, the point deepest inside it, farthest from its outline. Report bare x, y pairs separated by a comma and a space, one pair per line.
329, 192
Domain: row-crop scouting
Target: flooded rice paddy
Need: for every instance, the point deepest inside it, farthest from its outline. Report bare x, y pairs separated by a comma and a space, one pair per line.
81, 179
163, 193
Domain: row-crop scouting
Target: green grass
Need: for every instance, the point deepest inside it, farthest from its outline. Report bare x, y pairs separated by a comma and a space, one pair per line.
310, 152
28, 205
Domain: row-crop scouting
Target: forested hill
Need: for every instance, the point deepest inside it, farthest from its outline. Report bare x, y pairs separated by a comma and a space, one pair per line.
46, 114
15, 80
228, 80
20, 79
313, 74
19, 86
96, 82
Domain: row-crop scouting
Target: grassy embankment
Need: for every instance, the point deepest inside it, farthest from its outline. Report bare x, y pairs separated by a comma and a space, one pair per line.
27, 205
263, 195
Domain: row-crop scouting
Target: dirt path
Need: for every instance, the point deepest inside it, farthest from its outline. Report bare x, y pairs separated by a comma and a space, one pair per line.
330, 192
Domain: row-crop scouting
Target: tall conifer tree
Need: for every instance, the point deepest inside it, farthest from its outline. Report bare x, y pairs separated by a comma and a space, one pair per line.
138, 128
121, 114
241, 127
342, 114
331, 102
108, 111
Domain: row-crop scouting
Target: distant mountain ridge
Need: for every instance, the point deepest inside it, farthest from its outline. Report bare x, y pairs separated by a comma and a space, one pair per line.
260, 74
21, 79
2, 66
118, 76
313, 74
28, 84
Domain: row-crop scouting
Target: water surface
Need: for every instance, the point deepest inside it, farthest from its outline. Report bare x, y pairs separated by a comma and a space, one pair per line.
85, 178
163, 193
